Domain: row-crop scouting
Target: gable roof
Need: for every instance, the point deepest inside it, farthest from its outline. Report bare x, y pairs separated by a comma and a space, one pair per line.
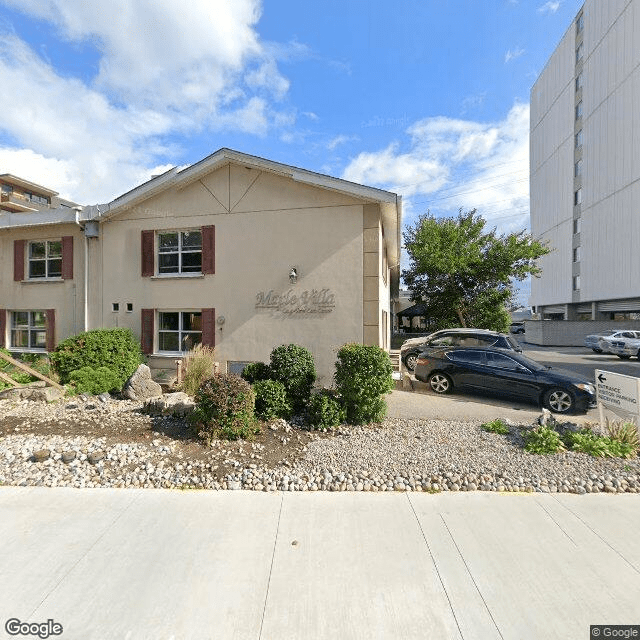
390, 203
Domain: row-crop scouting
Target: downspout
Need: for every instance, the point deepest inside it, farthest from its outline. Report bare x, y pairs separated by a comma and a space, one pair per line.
86, 272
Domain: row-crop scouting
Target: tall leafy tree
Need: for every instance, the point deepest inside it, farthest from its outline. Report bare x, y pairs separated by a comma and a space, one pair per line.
464, 273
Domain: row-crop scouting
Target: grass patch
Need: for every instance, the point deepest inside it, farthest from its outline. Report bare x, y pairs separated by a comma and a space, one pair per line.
495, 426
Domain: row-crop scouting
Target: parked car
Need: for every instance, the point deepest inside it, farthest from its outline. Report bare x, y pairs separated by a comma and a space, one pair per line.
492, 370
412, 348
605, 344
624, 348
516, 327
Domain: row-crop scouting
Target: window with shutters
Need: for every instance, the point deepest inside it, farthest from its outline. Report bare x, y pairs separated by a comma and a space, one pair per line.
28, 330
179, 331
45, 259
179, 252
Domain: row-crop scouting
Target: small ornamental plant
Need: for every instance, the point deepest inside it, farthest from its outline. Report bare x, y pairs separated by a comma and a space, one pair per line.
325, 411
496, 426
543, 440
225, 405
293, 366
256, 371
199, 364
271, 400
363, 375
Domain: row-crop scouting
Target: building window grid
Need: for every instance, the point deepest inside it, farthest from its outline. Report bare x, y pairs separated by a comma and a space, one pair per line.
578, 169
577, 197
28, 330
179, 331
579, 110
576, 254
45, 259
579, 81
179, 252
576, 283
578, 139
576, 226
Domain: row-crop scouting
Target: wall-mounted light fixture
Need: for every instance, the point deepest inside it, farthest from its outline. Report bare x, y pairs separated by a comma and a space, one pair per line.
293, 275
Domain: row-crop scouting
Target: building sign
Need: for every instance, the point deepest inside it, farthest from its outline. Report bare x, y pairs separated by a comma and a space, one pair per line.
304, 302
618, 392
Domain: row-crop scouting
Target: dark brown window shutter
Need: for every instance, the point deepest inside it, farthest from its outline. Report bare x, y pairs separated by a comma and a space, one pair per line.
209, 249
50, 324
147, 253
67, 257
146, 334
3, 328
209, 327
18, 260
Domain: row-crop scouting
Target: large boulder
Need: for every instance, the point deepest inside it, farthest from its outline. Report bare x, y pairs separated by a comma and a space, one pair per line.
140, 386
176, 404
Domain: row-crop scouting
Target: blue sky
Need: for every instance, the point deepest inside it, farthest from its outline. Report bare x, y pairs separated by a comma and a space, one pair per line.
428, 98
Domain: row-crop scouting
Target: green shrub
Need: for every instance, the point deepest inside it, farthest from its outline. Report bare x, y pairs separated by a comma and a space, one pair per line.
495, 426
543, 440
271, 400
198, 366
586, 441
293, 365
94, 381
324, 411
224, 409
116, 349
33, 360
363, 375
256, 371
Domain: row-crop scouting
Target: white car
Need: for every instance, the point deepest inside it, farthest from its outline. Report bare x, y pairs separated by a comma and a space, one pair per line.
606, 343
624, 348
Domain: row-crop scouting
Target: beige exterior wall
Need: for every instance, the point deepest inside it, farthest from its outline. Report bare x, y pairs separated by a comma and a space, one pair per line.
64, 296
265, 224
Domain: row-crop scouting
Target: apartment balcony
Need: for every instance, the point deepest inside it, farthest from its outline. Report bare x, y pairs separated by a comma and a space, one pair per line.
16, 203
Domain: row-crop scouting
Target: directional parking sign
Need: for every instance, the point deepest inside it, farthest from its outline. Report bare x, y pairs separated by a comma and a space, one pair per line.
618, 392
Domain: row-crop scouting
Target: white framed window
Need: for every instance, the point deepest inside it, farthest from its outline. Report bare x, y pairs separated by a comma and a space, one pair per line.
28, 330
576, 283
45, 259
579, 139
579, 110
577, 197
179, 331
179, 252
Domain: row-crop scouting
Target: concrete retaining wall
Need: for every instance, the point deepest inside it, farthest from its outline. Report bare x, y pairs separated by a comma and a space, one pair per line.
565, 333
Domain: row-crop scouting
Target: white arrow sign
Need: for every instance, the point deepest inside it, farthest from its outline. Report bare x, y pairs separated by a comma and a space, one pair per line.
618, 392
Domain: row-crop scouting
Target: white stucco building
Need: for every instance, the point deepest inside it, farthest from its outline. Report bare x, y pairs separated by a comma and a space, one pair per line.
585, 167
236, 252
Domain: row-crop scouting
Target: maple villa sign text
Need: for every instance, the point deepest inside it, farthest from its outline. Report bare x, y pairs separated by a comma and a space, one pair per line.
290, 303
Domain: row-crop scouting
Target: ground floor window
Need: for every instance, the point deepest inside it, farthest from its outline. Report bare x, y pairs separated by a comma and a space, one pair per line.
179, 331
28, 330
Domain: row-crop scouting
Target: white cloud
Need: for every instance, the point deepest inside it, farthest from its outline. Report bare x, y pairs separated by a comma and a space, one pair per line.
452, 164
335, 142
165, 67
512, 54
550, 7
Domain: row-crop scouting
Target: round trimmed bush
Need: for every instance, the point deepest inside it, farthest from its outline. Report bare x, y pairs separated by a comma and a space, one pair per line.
271, 400
324, 411
94, 381
116, 349
293, 365
363, 375
256, 371
224, 409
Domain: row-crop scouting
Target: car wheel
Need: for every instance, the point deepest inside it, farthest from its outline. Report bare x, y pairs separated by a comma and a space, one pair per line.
596, 350
440, 383
623, 357
411, 360
558, 400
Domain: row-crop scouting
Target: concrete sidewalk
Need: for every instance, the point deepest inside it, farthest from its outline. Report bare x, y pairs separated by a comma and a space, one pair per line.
157, 564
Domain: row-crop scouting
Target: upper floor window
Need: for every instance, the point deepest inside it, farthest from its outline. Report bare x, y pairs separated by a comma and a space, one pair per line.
576, 226
576, 254
580, 23
7, 188
576, 283
579, 52
577, 197
180, 252
578, 169
34, 197
45, 259
28, 330
579, 79
579, 139
579, 110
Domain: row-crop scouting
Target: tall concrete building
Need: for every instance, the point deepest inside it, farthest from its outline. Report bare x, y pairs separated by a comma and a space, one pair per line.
585, 167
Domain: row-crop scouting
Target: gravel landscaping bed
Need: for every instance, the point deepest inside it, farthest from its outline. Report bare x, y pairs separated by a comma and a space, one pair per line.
103, 442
